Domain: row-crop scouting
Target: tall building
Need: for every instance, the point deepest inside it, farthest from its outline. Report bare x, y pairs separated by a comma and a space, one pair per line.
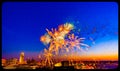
21, 60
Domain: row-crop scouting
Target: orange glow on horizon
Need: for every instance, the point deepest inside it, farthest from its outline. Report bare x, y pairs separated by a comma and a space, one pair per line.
93, 57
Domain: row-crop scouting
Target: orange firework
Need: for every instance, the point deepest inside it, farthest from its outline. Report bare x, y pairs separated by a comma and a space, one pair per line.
60, 28
42, 38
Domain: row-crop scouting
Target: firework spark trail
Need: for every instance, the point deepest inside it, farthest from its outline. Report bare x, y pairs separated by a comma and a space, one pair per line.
57, 41
76, 42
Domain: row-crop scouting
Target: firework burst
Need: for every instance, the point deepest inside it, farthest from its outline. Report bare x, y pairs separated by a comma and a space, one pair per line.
58, 43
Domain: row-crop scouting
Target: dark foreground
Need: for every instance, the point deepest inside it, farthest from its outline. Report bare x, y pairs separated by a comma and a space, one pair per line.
66, 65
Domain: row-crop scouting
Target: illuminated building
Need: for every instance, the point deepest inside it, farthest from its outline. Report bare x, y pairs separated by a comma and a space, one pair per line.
3, 62
12, 61
15, 60
58, 64
21, 60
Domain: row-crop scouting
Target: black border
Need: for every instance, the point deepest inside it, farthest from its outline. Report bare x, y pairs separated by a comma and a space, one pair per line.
117, 69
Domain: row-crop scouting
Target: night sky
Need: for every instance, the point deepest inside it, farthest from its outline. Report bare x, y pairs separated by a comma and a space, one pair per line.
24, 22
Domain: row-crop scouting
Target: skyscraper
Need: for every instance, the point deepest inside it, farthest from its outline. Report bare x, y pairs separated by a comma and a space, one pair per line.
21, 60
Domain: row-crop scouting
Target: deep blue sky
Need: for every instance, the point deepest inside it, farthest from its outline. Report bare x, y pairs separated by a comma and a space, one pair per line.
24, 22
